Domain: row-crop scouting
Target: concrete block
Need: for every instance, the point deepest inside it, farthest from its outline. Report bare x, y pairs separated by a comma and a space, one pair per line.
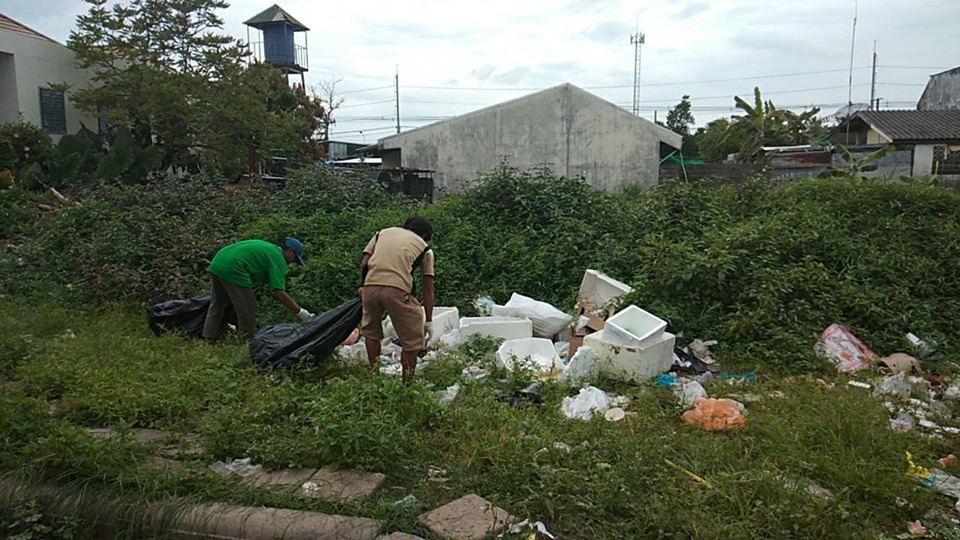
498, 327
632, 364
634, 327
283, 479
256, 523
468, 518
342, 485
536, 354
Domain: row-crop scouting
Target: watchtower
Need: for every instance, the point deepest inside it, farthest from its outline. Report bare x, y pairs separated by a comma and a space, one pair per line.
277, 45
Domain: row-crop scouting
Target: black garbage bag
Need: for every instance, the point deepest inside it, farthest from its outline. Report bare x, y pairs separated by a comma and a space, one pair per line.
185, 317
281, 344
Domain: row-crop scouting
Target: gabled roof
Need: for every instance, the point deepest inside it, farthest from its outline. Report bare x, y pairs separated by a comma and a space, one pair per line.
272, 15
912, 126
9, 25
666, 136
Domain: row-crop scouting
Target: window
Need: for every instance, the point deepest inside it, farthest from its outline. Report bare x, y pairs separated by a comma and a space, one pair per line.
53, 112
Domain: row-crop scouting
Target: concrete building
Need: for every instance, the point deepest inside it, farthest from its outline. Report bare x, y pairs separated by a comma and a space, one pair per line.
942, 92
570, 130
30, 63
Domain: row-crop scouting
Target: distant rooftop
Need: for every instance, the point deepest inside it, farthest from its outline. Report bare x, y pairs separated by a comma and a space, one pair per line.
912, 125
10, 25
273, 15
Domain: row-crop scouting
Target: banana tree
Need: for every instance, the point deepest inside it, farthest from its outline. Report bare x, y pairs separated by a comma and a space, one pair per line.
854, 167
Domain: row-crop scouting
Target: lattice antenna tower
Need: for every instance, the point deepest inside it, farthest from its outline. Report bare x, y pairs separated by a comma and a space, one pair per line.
636, 40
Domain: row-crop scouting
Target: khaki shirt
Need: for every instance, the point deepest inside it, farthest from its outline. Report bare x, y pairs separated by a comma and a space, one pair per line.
392, 255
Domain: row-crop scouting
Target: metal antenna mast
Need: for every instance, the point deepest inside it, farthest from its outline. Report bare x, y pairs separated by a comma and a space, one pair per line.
636, 40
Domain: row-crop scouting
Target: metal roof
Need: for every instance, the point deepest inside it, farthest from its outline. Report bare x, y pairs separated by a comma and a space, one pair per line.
911, 125
272, 15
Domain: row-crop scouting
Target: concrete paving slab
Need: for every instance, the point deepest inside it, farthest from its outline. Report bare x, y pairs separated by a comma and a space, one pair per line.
286, 478
399, 536
253, 523
470, 517
342, 485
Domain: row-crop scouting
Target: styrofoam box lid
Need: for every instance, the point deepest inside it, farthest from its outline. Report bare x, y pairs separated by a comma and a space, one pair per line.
634, 326
529, 348
467, 321
600, 288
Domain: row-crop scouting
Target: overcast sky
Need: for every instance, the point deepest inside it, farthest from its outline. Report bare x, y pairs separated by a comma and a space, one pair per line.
454, 57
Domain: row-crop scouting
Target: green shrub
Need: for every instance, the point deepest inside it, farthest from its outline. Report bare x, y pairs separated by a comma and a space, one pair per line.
25, 150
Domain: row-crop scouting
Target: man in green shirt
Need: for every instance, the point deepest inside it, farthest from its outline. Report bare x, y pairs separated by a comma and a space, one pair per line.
235, 269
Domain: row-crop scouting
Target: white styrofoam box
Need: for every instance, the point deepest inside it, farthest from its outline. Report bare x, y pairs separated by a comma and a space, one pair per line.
498, 327
632, 364
445, 319
600, 289
536, 354
634, 327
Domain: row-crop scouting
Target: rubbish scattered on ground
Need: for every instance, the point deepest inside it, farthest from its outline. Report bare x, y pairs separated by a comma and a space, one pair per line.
562, 348
716, 414
634, 327
690, 392
547, 320
598, 291
895, 386
615, 414
584, 367
916, 528
845, 349
536, 354
824, 385
897, 363
436, 474
809, 486
947, 460
506, 328
446, 319
474, 373
536, 527
447, 396
687, 362
524, 398
240, 467
748, 377
699, 479
701, 349
591, 400
409, 500
354, 353
632, 364
903, 422
921, 345
563, 447
859, 384
450, 340
940, 481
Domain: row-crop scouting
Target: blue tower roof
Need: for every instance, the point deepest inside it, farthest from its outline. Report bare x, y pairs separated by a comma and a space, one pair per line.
273, 16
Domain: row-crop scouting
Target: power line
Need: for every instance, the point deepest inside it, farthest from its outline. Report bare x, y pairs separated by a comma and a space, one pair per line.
366, 104
365, 90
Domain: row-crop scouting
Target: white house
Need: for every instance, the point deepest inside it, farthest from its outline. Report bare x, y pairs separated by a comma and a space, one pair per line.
30, 63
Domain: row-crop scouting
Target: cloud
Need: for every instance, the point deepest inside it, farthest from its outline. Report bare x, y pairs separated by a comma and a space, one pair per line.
609, 32
511, 76
691, 9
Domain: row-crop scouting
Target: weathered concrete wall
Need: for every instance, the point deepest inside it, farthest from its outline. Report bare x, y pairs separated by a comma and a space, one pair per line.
38, 63
565, 128
942, 92
923, 160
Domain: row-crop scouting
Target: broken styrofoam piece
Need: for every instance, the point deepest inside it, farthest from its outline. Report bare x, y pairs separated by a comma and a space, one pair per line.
597, 290
632, 364
447, 396
634, 327
547, 320
584, 367
356, 353
536, 354
894, 385
591, 400
497, 327
450, 340
484, 305
445, 320
240, 467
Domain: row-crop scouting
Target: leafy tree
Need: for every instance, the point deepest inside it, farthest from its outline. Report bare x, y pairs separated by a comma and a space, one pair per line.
855, 166
163, 70
714, 141
679, 117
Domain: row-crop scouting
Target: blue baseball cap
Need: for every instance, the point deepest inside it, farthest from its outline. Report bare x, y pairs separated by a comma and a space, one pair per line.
296, 246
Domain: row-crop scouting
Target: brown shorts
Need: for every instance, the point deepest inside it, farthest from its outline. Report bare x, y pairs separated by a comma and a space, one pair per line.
404, 311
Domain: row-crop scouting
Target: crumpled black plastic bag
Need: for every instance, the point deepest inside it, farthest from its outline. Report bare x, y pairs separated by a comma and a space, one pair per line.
185, 317
281, 344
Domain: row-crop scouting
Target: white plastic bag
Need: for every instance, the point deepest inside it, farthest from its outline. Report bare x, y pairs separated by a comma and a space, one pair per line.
547, 320
690, 392
589, 401
447, 396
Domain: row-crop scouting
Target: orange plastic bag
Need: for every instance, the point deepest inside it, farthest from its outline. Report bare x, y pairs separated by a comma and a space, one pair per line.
715, 415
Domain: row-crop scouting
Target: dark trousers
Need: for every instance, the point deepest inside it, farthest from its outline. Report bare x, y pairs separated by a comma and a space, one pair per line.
244, 302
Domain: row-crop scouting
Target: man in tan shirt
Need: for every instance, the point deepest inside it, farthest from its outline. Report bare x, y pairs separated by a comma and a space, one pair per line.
389, 261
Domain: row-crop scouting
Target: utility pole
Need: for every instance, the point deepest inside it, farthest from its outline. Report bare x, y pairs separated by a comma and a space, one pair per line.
636, 40
873, 78
853, 42
396, 81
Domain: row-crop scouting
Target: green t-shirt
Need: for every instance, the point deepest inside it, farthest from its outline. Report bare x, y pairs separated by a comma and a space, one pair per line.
249, 262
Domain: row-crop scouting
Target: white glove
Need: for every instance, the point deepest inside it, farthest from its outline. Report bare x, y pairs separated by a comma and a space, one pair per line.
305, 315
427, 331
